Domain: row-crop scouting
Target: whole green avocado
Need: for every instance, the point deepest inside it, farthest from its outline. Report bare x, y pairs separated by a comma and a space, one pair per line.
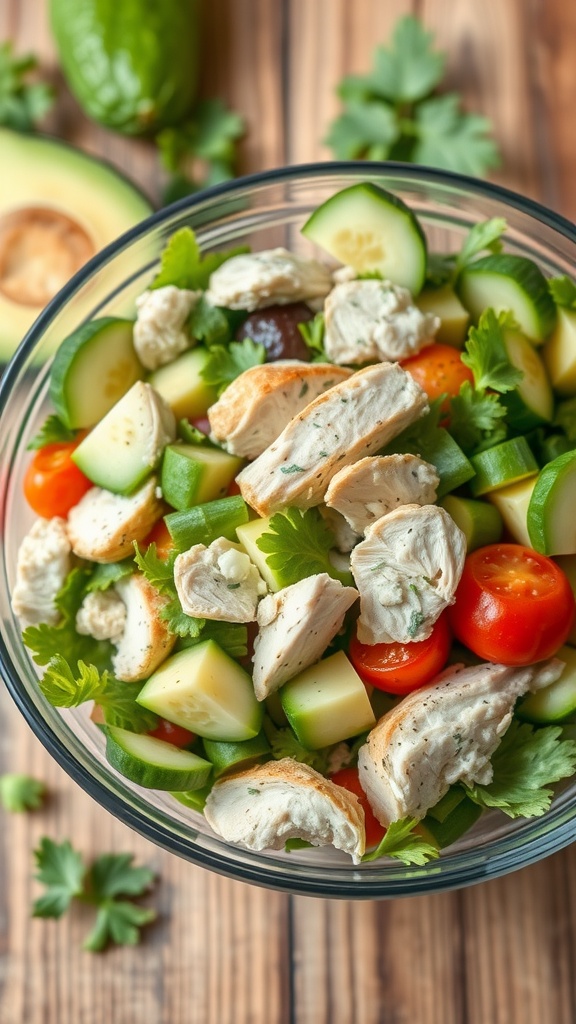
132, 64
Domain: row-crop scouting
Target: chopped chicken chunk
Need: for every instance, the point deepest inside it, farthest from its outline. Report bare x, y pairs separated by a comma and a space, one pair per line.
369, 320
295, 627
407, 570
159, 331
257, 406
146, 640
372, 487
218, 582
42, 566
444, 733
262, 807
352, 419
102, 615
103, 526
258, 279
346, 538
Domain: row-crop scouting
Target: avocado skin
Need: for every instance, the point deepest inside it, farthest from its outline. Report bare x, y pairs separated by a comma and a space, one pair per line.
132, 65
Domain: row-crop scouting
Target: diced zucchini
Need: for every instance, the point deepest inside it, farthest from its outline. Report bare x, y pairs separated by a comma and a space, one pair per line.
195, 799
514, 283
204, 690
371, 230
502, 465
205, 523
531, 402
559, 353
154, 763
92, 369
192, 474
327, 703
225, 756
454, 319
550, 518
480, 523
556, 702
181, 384
441, 450
248, 535
512, 503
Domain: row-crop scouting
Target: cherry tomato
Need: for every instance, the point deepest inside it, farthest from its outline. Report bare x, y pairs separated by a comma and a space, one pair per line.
202, 423
171, 733
233, 488
53, 484
401, 668
439, 370
513, 605
348, 778
160, 536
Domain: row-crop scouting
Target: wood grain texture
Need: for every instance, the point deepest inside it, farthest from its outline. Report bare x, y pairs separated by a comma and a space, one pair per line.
221, 952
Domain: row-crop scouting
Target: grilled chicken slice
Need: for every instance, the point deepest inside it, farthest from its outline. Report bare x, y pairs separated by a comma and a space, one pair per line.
218, 582
406, 570
374, 486
350, 420
257, 406
295, 627
160, 330
103, 526
146, 640
444, 733
255, 280
42, 566
262, 807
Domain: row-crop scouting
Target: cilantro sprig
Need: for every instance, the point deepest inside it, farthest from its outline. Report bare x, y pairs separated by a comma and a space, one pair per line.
22, 103
202, 151
563, 291
66, 688
402, 842
394, 112
65, 876
183, 265
226, 364
52, 431
485, 353
313, 336
298, 544
477, 419
20, 792
485, 236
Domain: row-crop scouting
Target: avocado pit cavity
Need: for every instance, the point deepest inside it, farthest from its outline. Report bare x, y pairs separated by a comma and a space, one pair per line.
40, 249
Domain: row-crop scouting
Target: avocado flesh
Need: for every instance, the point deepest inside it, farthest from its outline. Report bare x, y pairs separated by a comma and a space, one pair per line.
58, 208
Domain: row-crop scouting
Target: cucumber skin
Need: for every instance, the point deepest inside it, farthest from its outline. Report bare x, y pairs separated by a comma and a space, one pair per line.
146, 775
532, 283
192, 526
485, 482
480, 522
549, 478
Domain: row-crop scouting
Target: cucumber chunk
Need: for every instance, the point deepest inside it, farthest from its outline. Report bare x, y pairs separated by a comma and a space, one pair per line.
154, 763
514, 283
531, 403
192, 474
454, 319
504, 464
550, 518
92, 369
181, 384
371, 230
512, 503
480, 523
556, 702
327, 703
559, 353
195, 799
204, 690
225, 756
205, 523
440, 449
248, 536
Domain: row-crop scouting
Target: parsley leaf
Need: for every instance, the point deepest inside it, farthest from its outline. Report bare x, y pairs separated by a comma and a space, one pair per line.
61, 870
405, 72
20, 792
297, 545
283, 743
563, 291
66, 689
225, 364
476, 419
486, 235
106, 574
526, 763
449, 138
365, 129
313, 335
209, 139
403, 843
485, 353
182, 265
22, 104
232, 637
52, 431
160, 575
118, 922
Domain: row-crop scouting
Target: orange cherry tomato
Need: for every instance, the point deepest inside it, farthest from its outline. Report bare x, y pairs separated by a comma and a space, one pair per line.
160, 536
349, 779
401, 668
439, 370
53, 484
171, 733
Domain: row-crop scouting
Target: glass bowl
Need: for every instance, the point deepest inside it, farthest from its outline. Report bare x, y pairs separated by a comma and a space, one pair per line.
263, 211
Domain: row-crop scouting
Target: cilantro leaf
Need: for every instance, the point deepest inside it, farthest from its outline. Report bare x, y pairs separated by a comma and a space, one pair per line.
367, 129
66, 689
403, 843
297, 545
566, 418
410, 68
118, 922
179, 622
232, 637
210, 138
106, 574
283, 743
209, 324
52, 431
476, 419
563, 291
160, 575
22, 104
313, 335
526, 763
182, 265
113, 874
225, 364
62, 871
20, 792
485, 353
449, 138
486, 235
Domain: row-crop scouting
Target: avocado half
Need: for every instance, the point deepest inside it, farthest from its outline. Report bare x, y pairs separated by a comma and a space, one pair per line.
58, 207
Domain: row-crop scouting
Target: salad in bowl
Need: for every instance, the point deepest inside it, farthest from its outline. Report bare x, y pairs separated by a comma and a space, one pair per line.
300, 547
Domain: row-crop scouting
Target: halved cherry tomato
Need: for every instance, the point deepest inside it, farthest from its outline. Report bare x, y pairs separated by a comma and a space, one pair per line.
171, 733
513, 605
202, 423
401, 668
160, 536
348, 778
53, 484
439, 370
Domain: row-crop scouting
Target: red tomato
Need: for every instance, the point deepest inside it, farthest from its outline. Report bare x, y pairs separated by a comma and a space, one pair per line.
439, 370
171, 733
202, 423
348, 778
401, 668
53, 484
513, 605
160, 536
233, 488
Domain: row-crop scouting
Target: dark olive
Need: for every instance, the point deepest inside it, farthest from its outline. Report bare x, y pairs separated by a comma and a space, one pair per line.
276, 327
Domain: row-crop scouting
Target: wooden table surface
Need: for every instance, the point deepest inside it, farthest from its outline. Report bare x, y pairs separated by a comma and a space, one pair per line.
222, 952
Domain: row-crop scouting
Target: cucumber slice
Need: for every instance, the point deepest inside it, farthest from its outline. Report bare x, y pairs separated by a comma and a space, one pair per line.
559, 353
204, 690
92, 369
248, 536
504, 464
192, 474
531, 402
225, 756
480, 523
441, 450
371, 230
550, 518
205, 523
327, 703
568, 565
454, 319
556, 702
154, 763
512, 503
125, 446
443, 833
514, 283
193, 798
181, 385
